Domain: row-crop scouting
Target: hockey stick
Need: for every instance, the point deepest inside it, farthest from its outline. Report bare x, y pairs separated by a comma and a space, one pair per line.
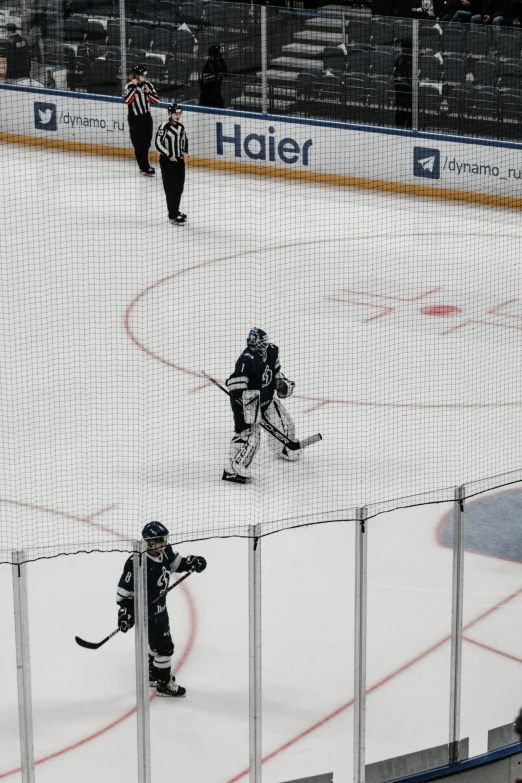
293, 445
97, 645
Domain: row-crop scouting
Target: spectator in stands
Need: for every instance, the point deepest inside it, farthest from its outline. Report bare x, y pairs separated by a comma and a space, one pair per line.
468, 9
402, 74
100, 74
495, 12
425, 11
17, 55
214, 71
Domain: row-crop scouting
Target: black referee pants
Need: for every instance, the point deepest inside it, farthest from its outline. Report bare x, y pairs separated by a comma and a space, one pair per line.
140, 127
173, 176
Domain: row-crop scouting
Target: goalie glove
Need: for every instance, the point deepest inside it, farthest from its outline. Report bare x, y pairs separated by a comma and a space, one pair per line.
251, 401
284, 387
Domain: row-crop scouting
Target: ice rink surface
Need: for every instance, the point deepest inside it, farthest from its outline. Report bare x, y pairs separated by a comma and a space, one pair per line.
400, 321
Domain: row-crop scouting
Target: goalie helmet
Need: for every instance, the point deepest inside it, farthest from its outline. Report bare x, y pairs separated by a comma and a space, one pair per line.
156, 532
257, 340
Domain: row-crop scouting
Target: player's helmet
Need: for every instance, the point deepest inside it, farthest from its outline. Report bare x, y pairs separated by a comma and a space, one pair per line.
139, 70
174, 108
156, 532
214, 50
257, 340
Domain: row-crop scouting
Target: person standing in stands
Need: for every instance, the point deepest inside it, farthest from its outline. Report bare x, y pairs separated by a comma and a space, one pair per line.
172, 145
214, 71
17, 55
402, 75
139, 95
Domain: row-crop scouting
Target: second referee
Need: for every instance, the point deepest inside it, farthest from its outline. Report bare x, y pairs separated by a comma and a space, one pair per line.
172, 144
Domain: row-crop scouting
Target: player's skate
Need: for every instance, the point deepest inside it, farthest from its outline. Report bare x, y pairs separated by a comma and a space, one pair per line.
179, 220
149, 173
239, 476
170, 688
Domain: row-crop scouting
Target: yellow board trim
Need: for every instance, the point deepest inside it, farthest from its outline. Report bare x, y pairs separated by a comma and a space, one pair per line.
295, 175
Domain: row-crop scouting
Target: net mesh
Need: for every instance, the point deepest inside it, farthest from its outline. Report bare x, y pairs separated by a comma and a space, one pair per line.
399, 320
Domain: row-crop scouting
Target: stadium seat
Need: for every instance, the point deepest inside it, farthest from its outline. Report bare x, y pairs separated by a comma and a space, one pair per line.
139, 36
510, 73
168, 11
460, 100
75, 30
182, 41
215, 14
485, 71
383, 90
356, 88
383, 32
179, 69
486, 103
430, 98
508, 43
238, 16
430, 36
383, 60
478, 40
96, 30
358, 59
403, 30
360, 31
511, 106
430, 66
455, 68
192, 12
161, 37
335, 57
454, 38
113, 32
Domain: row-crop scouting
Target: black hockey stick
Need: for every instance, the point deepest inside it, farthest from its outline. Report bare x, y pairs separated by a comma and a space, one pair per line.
293, 445
97, 645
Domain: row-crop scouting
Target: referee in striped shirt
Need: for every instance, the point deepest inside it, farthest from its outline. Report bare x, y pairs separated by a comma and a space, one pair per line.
139, 95
172, 144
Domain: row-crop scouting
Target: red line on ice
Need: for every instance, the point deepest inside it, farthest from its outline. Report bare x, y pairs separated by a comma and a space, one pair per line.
284, 246
378, 685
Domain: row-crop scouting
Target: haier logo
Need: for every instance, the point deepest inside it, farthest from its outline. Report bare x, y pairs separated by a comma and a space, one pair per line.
258, 146
45, 116
426, 163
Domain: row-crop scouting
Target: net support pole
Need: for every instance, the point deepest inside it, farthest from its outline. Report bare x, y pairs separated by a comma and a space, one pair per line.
415, 76
457, 599
254, 644
142, 660
23, 667
123, 45
264, 62
359, 717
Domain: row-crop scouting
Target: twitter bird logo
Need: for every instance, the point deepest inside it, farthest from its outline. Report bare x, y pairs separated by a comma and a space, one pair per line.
45, 116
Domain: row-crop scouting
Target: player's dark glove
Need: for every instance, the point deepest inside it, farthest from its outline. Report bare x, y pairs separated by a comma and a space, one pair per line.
125, 618
196, 563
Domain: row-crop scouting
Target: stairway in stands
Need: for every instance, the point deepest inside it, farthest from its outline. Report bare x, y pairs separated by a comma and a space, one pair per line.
304, 53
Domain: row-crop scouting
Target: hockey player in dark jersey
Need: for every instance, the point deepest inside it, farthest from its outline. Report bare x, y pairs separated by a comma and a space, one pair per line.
256, 378
162, 562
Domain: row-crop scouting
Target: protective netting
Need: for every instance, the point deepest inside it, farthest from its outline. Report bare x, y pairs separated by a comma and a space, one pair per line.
399, 319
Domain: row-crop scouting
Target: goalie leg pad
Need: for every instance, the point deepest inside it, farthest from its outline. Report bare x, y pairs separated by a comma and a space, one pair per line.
242, 451
251, 403
279, 417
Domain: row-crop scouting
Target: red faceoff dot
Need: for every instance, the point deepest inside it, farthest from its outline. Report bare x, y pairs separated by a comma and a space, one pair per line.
440, 310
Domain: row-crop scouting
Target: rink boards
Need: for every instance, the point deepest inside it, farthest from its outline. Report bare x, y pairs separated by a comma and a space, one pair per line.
447, 167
